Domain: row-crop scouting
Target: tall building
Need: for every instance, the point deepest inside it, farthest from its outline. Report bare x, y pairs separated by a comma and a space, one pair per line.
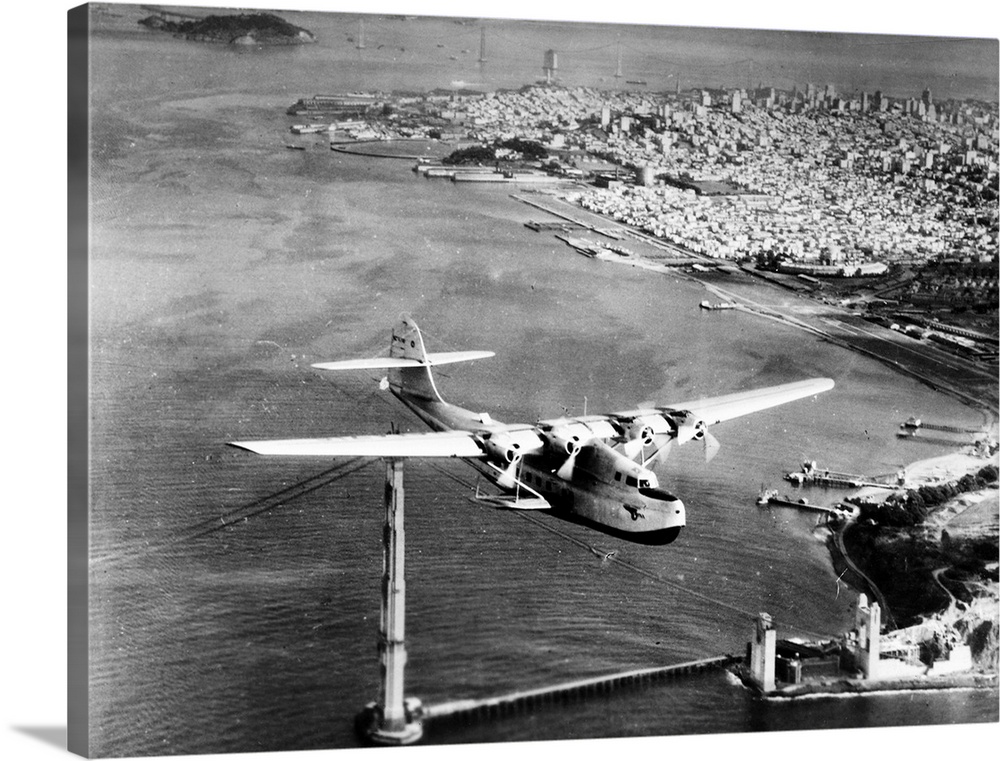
550, 65
646, 176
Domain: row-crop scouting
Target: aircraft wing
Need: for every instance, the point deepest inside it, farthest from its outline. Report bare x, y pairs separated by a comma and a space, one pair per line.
429, 444
720, 408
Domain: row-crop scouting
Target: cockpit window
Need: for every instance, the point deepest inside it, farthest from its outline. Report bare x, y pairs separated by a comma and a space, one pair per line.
631, 481
643, 483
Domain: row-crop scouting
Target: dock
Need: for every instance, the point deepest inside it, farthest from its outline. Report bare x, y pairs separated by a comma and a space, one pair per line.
775, 501
720, 305
559, 226
815, 476
914, 424
515, 702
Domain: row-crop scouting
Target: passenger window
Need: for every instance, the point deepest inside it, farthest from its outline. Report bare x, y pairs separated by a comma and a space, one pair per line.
618, 476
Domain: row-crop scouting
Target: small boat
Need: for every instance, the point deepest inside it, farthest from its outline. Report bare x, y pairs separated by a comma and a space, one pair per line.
719, 305
765, 496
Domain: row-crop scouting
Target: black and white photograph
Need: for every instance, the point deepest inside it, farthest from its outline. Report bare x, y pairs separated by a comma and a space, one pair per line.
452, 374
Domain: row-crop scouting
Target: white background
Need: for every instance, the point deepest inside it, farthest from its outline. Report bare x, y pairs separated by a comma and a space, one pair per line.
33, 164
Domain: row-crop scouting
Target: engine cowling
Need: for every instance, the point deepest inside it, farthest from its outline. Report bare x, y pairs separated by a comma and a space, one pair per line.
640, 431
692, 428
568, 438
510, 446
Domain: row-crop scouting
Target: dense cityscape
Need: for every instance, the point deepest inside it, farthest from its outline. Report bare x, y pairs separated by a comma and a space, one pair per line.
812, 182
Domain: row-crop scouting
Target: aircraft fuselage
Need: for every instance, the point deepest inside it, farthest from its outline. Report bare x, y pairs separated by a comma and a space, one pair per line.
606, 490
590, 469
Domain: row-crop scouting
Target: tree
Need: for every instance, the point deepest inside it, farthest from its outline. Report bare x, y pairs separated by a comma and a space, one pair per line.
476, 154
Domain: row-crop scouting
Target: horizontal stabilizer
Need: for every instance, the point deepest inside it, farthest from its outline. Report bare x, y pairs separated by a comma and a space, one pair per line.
376, 363
430, 444
447, 357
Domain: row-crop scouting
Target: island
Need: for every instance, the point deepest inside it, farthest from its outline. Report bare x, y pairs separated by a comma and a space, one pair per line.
241, 29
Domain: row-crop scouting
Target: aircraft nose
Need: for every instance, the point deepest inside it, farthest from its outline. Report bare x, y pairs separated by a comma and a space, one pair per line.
678, 507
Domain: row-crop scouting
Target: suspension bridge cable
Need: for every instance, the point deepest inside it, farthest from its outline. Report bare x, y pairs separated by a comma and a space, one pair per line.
242, 513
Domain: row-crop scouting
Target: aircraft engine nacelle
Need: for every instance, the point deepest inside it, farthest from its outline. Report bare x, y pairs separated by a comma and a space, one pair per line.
568, 438
646, 427
640, 432
693, 428
690, 427
510, 446
565, 442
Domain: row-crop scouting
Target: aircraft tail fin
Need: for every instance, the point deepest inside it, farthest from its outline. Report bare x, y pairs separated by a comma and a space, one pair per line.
409, 364
413, 381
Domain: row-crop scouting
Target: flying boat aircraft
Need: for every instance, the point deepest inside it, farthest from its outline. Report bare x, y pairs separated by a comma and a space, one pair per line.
592, 469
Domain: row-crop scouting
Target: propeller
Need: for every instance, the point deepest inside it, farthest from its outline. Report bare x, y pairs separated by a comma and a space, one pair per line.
695, 428
712, 446
660, 455
565, 471
642, 432
635, 449
508, 479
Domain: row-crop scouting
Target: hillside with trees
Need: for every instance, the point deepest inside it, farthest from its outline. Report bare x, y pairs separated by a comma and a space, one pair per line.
241, 29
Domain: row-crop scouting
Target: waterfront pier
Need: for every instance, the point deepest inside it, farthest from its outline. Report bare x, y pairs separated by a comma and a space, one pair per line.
915, 424
815, 476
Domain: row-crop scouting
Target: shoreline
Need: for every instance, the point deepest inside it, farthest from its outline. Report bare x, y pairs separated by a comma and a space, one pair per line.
848, 687
942, 468
930, 367
974, 513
